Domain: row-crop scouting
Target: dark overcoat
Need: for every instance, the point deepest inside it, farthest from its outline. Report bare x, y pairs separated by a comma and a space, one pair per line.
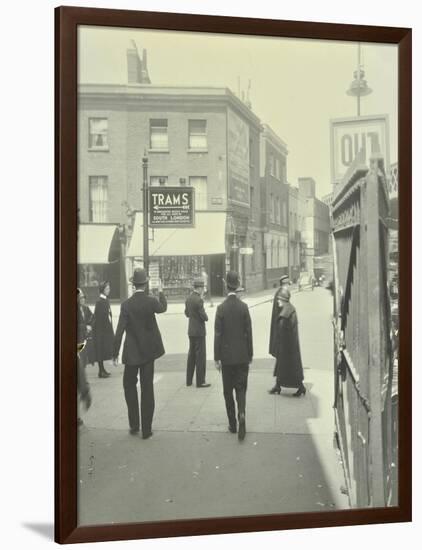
143, 342
102, 330
85, 320
273, 326
233, 332
194, 310
288, 368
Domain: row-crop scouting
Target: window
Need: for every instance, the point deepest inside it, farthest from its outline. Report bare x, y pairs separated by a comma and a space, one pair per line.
159, 138
197, 134
272, 208
98, 133
271, 164
277, 210
284, 212
199, 183
277, 168
158, 181
98, 195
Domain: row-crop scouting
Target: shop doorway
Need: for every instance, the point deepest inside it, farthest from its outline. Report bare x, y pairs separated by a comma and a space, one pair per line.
215, 268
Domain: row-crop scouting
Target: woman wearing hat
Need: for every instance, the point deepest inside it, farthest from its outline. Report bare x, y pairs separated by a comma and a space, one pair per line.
103, 334
288, 369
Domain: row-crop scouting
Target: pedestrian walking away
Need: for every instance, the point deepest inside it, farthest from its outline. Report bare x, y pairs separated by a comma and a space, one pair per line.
82, 383
103, 330
84, 330
233, 352
284, 283
143, 344
288, 369
197, 357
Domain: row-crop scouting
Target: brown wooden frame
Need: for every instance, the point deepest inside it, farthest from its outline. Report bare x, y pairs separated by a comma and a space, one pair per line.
66, 21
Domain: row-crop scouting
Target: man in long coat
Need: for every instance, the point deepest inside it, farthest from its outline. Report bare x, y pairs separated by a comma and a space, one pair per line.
233, 351
284, 283
195, 312
143, 344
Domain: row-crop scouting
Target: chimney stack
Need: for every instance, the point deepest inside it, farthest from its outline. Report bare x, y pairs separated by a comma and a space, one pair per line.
137, 71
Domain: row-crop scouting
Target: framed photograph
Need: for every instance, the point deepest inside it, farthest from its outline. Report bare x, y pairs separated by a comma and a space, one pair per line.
233, 275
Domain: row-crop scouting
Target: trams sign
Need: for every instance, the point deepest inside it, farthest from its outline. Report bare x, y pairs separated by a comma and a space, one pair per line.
171, 207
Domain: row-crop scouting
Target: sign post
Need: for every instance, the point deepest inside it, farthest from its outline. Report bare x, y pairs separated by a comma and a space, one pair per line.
145, 208
172, 206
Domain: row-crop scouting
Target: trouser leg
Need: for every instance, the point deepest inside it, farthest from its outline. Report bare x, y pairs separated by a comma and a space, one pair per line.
130, 379
146, 374
200, 360
241, 384
190, 368
227, 375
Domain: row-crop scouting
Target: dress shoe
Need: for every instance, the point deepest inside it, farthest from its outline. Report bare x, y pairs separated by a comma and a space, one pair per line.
134, 431
232, 428
300, 391
275, 389
188, 384
204, 385
242, 427
147, 435
104, 374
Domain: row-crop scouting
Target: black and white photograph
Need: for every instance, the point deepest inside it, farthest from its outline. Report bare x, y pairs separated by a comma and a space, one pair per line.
237, 265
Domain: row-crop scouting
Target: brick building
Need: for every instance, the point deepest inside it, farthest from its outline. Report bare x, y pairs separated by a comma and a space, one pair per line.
202, 137
275, 206
317, 228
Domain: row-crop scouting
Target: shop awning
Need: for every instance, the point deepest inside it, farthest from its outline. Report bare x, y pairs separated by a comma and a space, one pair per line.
207, 237
98, 243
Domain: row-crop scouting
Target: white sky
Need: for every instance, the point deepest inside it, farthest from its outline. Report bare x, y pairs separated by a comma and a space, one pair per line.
297, 85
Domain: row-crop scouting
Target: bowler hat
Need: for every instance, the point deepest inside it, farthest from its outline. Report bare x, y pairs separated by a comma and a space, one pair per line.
139, 276
198, 283
232, 280
284, 279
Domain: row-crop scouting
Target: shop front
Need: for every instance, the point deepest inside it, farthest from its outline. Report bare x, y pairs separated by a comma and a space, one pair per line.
180, 253
99, 259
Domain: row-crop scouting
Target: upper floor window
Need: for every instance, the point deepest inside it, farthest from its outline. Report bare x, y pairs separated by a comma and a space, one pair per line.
98, 133
158, 181
98, 198
271, 208
159, 138
199, 183
197, 134
283, 213
277, 168
271, 164
277, 210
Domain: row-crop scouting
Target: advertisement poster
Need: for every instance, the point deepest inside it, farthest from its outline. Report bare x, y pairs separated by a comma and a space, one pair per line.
238, 149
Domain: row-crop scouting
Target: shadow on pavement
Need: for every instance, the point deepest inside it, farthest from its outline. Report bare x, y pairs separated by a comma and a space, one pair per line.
46, 530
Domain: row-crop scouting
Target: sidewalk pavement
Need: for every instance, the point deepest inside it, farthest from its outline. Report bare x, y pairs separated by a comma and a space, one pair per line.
189, 411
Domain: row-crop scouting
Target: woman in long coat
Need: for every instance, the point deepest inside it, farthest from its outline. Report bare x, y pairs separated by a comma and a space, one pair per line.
103, 334
288, 369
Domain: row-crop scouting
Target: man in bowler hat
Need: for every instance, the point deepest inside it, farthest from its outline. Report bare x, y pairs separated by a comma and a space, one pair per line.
233, 351
195, 312
284, 284
143, 344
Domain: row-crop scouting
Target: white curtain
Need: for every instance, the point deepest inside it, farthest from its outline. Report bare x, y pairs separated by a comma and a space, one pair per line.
99, 196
